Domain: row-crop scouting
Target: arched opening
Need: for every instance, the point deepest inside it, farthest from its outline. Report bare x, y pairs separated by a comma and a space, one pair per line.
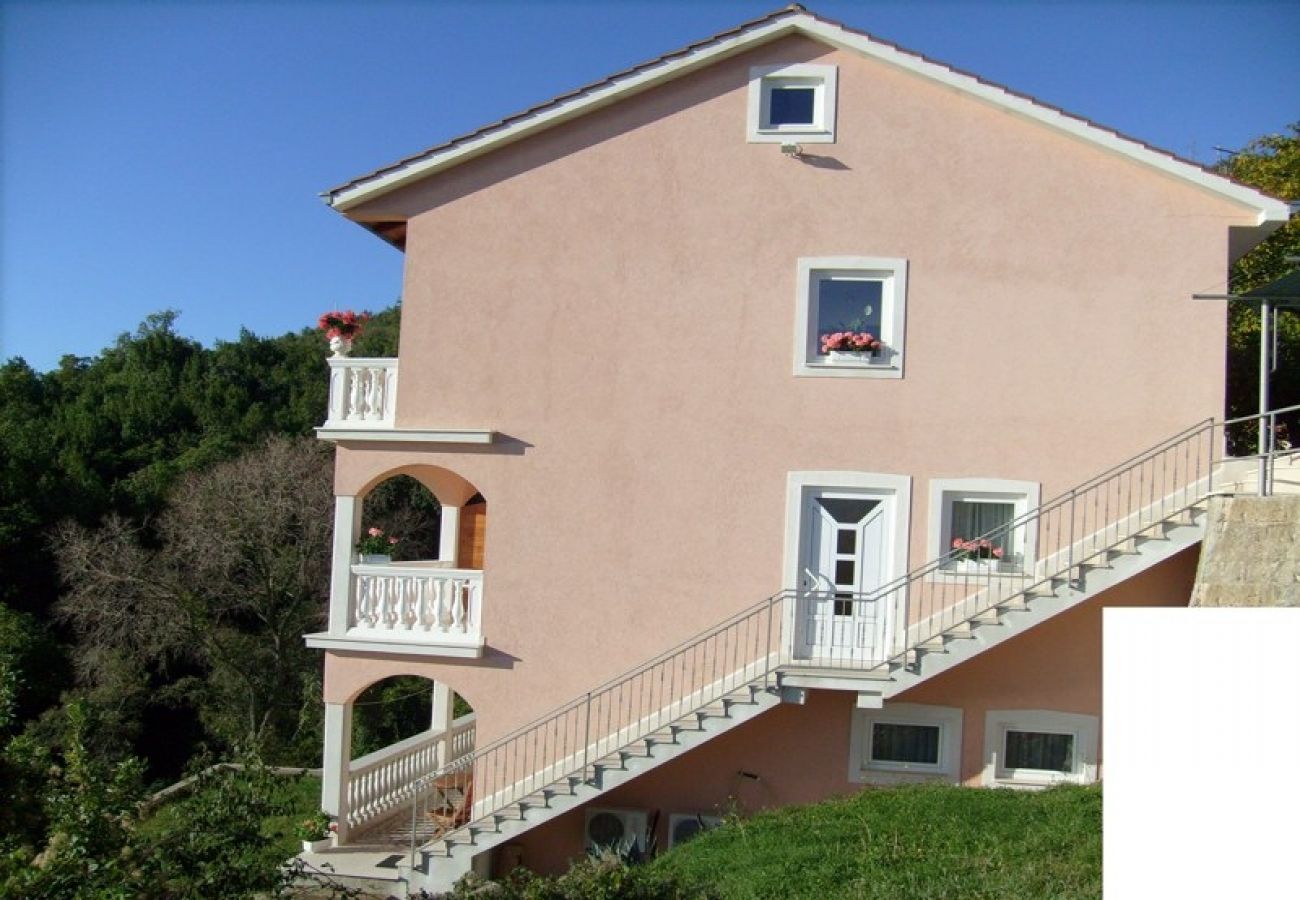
407, 516
396, 709
417, 544
423, 514
393, 734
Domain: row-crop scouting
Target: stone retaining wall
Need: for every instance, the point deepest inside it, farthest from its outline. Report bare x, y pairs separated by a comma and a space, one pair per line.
1251, 554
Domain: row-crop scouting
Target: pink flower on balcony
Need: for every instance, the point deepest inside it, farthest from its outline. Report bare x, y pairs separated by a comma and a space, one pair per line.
342, 323
376, 543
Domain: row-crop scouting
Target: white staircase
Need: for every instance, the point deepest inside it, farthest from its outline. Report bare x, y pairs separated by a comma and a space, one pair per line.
1094, 537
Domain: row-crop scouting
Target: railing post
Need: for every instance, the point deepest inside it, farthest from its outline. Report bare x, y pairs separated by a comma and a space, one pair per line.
767, 647
1069, 569
586, 734
415, 809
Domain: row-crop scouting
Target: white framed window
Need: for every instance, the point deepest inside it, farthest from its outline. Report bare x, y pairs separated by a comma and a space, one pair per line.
794, 103
963, 513
1037, 748
840, 300
905, 742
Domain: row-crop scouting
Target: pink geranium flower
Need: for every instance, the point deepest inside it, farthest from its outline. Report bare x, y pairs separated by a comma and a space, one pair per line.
850, 341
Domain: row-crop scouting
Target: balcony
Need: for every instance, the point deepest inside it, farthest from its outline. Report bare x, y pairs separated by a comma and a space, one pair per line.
381, 784
420, 608
363, 393
363, 407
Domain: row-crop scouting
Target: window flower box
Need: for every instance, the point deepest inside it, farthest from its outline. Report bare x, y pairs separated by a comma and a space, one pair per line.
851, 357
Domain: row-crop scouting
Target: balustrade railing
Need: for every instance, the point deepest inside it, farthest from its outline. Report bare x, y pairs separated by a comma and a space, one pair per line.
417, 600
363, 393
382, 782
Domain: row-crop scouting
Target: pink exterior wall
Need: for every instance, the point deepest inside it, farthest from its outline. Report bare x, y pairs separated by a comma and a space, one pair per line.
616, 297
801, 753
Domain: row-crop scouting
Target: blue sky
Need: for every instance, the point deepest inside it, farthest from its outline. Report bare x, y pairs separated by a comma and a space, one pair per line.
169, 154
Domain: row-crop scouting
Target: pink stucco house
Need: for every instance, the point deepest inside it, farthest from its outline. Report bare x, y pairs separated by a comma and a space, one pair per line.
694, 558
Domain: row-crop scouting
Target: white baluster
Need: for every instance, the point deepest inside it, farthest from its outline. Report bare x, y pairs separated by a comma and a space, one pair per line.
364, 609
429, 604
440, 599
460, 590
474, 599
384, 603
355, 400
366, 376
407, 587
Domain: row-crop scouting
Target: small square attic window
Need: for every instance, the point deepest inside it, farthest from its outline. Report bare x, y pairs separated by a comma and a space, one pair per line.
792, 103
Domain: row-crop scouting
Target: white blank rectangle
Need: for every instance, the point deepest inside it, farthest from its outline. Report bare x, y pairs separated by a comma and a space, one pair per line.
1200, 746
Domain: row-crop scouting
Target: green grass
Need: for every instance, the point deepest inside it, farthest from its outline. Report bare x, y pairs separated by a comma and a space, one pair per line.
927, 841
301, 792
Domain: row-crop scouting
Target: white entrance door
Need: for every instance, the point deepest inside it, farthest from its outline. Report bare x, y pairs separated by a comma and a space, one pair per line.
845, 551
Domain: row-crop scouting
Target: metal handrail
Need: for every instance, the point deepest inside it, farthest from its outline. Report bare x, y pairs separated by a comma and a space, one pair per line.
565, 742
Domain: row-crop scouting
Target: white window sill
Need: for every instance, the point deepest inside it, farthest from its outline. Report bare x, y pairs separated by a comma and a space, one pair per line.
845, 370
792, 135
958, 571
872, 775
1036, 782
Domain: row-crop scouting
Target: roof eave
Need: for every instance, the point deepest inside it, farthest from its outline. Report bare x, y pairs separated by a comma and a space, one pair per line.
1267, 209
350, 196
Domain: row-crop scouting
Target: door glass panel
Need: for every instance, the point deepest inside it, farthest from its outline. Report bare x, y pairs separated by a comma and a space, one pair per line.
846, 571
846, 541
847, 510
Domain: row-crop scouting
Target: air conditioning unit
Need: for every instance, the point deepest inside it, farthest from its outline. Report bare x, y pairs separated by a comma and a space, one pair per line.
618, 829
684, 826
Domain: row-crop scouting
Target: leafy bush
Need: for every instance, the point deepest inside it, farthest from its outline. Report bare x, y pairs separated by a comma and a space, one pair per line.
605, 877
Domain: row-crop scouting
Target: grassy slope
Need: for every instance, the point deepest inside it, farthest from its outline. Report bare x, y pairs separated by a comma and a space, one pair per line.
911, 842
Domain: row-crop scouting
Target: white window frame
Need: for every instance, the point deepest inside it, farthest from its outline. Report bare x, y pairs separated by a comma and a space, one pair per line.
1084, 728
891, 272
863, 770
898, 488
762, 80
1025, 495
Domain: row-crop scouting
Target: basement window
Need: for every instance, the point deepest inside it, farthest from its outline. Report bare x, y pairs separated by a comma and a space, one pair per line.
794, 103
905, 742
1037, 748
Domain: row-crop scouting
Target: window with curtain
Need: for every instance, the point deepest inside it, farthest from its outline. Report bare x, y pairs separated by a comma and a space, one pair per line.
893, 742
1041, 750
973, 518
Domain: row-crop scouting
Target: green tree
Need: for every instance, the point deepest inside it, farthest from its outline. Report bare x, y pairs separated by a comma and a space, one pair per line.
111, 435
1272, 164
240, 572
